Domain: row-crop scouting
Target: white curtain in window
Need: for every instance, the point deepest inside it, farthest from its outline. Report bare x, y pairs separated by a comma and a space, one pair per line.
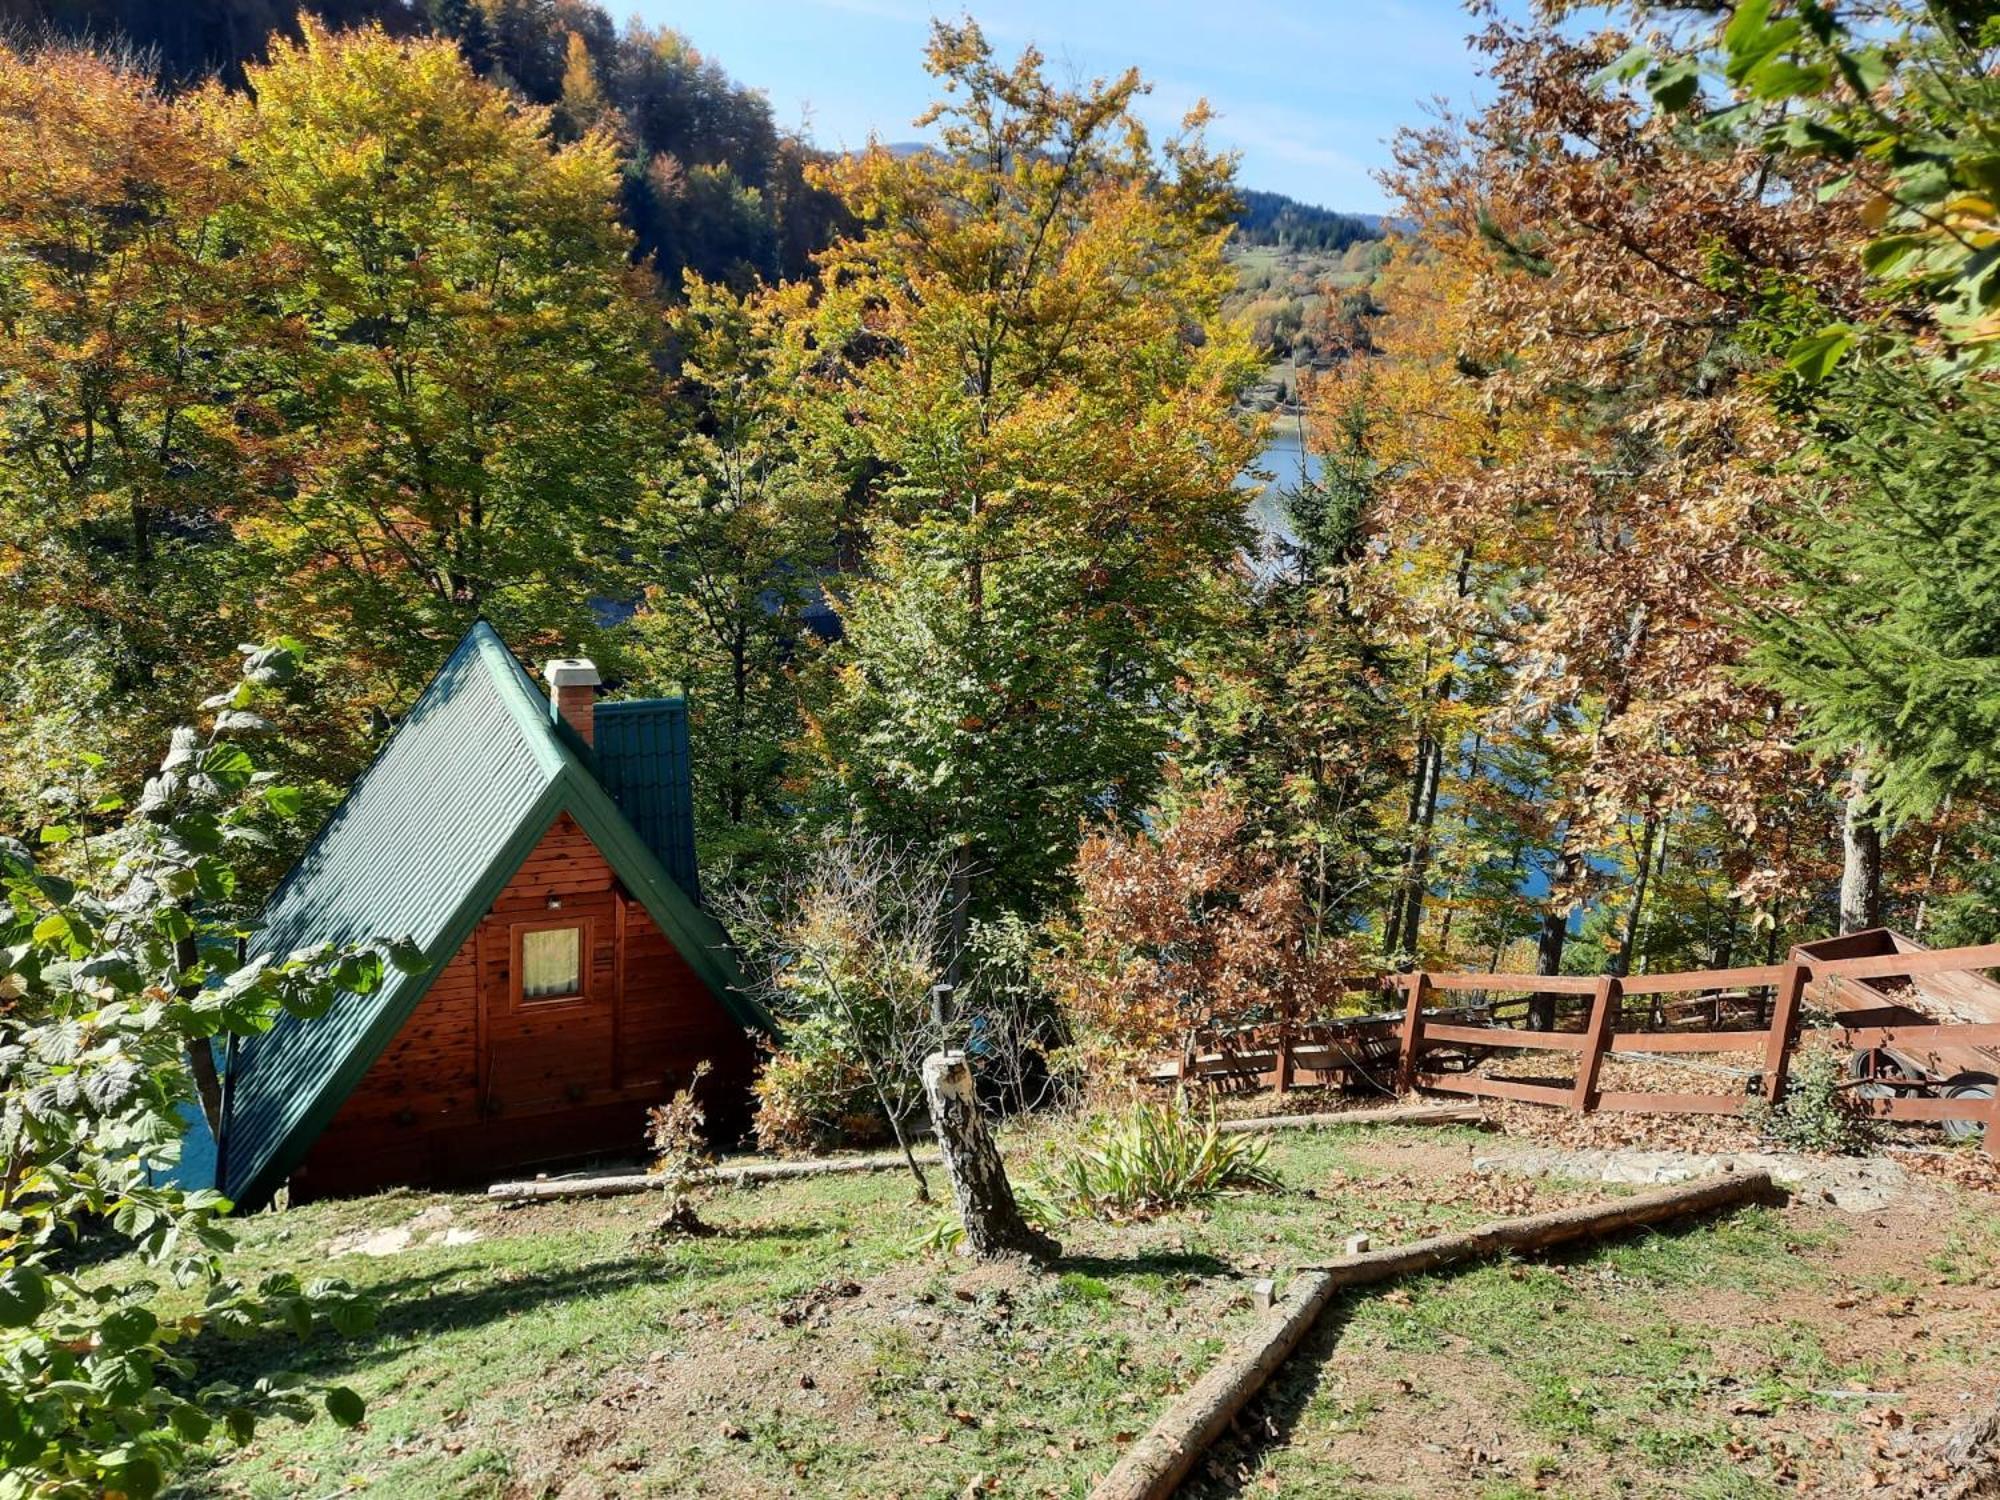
551, 963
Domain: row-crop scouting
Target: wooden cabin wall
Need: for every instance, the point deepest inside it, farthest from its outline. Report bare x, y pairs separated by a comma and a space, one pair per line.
476, 1084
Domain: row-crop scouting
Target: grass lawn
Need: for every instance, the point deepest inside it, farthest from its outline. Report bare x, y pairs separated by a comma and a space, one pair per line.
812, 1349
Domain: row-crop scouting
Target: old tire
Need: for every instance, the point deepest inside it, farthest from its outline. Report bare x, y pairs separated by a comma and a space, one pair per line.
1881, 1075
1966, 1086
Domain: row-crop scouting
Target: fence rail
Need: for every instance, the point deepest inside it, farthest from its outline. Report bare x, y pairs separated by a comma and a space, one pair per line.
1414, 1050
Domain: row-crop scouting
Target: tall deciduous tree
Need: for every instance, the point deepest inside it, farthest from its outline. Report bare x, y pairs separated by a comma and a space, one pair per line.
735, 539
124, 314
1027, 344
459, 389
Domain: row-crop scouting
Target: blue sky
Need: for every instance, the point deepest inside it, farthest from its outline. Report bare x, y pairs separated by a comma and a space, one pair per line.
1309, 91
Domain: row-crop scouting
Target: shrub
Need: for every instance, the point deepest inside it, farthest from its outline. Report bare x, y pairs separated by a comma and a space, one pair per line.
1195, 925
1817, 1112
814, 1093
1153, 1157
674, 1131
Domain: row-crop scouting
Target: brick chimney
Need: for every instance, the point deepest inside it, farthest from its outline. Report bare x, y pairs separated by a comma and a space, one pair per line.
573, 684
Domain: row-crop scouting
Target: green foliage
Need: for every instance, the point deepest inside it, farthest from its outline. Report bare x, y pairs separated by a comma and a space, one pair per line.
1030, 364
1905, 111
813, 1094
735, 533
1816, 1113
457, 429
1151, 1158
1890, 637
117, 982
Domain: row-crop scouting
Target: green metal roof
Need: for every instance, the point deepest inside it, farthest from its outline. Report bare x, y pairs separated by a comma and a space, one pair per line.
641, 757
423, 843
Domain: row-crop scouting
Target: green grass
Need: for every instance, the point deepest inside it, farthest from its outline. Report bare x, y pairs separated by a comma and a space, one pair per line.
813, 1348
1588, 1365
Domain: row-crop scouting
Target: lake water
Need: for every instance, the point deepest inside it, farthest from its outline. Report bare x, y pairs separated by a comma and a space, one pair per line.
1289, 464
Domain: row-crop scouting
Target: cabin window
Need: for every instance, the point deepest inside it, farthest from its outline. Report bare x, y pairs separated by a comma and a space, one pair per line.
552, 963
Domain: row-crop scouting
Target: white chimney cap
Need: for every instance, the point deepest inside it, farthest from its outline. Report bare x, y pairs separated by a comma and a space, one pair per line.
572, 671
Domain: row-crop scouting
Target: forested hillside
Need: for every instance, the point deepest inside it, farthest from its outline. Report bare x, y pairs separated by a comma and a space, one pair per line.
708, 181
1274, 219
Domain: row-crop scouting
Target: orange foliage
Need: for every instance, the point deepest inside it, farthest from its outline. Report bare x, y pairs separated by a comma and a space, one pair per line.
1196, 926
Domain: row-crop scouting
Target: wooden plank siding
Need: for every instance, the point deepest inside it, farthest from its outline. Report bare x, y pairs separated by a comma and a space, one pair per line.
479, 1082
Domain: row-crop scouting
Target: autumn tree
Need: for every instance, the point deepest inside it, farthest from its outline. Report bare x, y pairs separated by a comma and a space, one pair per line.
735, 540
124, 391
1027, 347
1196, 924
455, 406
1291, 700
1582, 451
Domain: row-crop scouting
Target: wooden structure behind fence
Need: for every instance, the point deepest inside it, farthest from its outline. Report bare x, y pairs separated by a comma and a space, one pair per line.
1755, 1010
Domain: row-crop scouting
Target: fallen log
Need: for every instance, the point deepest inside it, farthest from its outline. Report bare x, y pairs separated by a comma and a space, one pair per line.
1154, 1466
619, 1184
1401, 1114
624, 1183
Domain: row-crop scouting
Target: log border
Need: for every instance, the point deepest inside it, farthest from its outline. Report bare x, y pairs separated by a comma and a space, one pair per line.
1154, 1466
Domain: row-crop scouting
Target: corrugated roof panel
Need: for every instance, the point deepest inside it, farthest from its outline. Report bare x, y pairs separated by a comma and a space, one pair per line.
642, 758
415, 832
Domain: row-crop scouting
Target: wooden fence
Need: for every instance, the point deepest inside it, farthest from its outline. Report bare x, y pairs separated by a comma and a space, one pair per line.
1756, 1011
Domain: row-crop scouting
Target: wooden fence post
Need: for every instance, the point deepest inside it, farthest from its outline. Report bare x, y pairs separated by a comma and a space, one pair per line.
1784, 1021
1993, 1127
1284, 1058
1419, 987
1596, 1038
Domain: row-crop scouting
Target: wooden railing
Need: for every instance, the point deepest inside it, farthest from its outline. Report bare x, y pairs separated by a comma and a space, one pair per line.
1594, 1025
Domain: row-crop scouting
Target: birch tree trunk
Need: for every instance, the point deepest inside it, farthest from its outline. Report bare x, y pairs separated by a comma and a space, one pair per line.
993, 1223
1861, 856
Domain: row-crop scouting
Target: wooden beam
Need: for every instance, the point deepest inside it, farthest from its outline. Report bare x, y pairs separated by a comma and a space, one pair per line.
1504, 1036
1783, 1031
1154, 1466
1495, 1088
1896, 965
1597, 1036
1970, 1035
1418, 988
1422, 1114
1540, 984
1699, 980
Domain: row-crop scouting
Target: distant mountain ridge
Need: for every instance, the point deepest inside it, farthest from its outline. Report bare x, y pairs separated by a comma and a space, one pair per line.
1269, 218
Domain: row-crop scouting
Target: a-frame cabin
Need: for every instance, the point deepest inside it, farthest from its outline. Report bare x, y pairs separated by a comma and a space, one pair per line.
540, 852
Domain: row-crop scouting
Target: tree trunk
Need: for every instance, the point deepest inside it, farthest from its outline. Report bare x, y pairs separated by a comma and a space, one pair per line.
1621, 962
1409, 916
1931, 868
993, 1223
207, 1083
1861, 856
200, 1051
1551, 941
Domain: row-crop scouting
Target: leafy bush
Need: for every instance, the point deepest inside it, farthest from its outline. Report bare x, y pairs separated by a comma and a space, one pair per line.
1153, 1157
1817, 1112
113, 986
1194, 925
813, 1094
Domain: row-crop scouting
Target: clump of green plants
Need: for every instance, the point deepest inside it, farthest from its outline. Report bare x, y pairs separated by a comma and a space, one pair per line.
1153, 1157
1816, 1112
